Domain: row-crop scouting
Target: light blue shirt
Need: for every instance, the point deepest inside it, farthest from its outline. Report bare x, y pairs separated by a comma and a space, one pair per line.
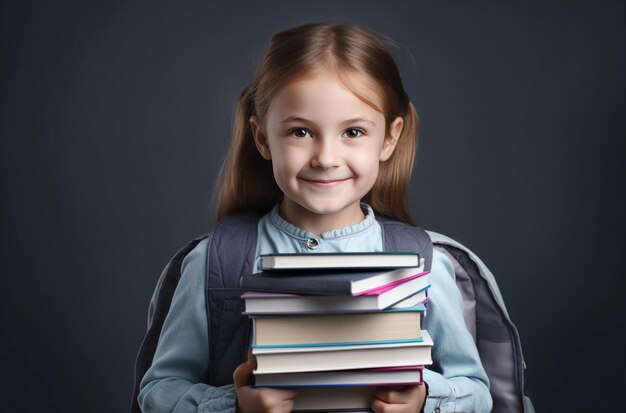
456, 381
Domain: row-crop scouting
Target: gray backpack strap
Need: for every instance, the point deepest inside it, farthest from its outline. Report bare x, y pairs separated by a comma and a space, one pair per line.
399, 236
230, 254
487, 319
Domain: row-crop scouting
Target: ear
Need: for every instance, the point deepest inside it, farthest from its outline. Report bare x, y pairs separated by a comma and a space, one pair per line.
390, 143
260, 138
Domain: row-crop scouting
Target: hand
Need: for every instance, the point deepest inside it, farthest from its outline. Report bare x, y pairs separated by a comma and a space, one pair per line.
408, 399
250, 400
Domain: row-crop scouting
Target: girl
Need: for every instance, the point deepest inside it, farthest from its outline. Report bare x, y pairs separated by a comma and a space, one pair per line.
324, 140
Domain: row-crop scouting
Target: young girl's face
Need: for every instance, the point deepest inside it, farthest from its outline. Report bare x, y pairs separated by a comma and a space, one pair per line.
325, 145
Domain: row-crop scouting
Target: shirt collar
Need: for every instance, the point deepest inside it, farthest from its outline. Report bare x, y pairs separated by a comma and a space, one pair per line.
290, 229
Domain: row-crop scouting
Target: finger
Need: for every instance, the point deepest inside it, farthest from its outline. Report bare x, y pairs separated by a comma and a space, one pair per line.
271, 400
241, 375
252, 359
379, 406
386, 395
402, 395
278, 394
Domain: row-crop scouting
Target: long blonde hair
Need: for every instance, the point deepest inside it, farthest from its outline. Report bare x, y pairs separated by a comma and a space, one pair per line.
246, 181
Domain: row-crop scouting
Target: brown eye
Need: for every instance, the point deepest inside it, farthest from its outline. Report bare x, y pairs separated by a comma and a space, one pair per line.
300, 133
354, 133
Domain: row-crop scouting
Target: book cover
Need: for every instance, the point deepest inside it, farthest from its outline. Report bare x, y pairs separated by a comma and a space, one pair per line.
392, 295
392, 325
339, 260
348, 357
259, 302
395, 376
329, 282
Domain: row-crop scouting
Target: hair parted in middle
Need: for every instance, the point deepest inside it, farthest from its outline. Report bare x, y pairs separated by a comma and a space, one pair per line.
353, 52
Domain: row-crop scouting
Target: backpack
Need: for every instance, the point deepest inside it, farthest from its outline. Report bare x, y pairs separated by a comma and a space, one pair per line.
231, 247
488, 321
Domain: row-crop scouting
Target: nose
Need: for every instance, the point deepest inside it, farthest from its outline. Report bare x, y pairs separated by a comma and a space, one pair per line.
326, 154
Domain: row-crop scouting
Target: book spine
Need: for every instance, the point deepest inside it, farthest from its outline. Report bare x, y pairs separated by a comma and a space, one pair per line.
337, 344
293, 285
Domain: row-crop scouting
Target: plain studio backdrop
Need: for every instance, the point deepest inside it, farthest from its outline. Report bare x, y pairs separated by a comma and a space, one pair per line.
115, 117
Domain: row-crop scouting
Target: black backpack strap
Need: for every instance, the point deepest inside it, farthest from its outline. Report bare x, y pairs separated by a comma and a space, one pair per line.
399, 236
166, 287
230, 255
231, 251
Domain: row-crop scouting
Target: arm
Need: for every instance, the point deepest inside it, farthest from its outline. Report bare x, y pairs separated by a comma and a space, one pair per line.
457, 381
175, 381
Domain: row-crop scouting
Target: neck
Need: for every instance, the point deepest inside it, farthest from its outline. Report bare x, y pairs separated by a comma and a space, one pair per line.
319, 223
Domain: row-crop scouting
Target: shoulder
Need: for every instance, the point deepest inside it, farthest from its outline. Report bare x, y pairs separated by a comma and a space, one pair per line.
398, 235
401, 236
241, 225
195, 260
237, 220
447, 244
460, 256
196, 250
397, 228
442, 265
446, 300
455, 256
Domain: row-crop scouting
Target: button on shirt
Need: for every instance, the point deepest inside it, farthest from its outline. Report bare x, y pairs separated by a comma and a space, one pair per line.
456, 381
277, 235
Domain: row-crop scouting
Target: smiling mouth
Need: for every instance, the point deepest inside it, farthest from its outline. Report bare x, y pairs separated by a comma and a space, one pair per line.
325, 183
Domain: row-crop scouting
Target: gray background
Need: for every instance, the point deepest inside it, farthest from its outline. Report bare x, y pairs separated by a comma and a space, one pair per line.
115, 116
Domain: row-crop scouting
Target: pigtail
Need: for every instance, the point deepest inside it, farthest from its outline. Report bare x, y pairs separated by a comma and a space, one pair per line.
246, 181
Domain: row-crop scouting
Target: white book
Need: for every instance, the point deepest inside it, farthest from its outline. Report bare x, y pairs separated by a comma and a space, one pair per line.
339, 260
398, 376
390, 325
349, 357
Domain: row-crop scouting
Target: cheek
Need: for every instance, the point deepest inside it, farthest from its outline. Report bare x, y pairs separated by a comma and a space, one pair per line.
366, 163
285, 168
372, 173
291, 161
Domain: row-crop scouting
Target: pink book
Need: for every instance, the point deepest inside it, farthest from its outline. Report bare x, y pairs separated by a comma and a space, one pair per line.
387, 287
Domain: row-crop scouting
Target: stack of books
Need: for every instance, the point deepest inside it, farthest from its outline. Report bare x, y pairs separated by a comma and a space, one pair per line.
336, 326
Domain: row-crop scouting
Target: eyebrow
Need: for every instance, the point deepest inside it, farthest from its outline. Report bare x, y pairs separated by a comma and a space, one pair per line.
299, 119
